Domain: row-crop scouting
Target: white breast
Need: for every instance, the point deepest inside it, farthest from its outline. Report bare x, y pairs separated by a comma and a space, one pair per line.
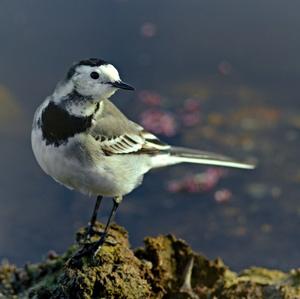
72, 166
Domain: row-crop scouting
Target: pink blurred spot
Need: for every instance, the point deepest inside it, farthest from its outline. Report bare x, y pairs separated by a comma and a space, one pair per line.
201, 182
159, 122
190, 116
148, 29
190, 119
225, 68
191, 105
150, 97
191, 185
173, 186
223, 196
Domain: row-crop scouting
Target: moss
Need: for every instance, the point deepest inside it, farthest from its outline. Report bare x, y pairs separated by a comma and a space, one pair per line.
166, 267
262, 276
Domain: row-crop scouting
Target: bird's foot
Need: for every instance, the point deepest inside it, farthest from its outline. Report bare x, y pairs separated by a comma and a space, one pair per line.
92, 231
94, 236
86, 250
93, 248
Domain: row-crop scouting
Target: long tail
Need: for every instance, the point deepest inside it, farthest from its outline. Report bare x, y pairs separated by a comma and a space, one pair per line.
180, 155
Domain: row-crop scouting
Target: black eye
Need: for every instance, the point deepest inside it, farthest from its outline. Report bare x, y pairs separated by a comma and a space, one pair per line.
94, 75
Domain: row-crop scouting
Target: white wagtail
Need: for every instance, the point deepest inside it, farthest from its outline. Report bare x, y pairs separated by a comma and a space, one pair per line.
83, 141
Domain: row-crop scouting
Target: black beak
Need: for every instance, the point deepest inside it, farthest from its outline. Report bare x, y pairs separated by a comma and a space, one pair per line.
122, 85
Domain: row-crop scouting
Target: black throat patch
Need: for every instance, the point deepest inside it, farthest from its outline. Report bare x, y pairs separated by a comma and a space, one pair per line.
58, 125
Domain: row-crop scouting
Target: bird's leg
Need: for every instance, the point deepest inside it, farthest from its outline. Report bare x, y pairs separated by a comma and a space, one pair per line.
100, 242
96, 246
92, 222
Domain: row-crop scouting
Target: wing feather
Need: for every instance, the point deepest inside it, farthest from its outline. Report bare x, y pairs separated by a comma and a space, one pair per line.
127, 144
115, 134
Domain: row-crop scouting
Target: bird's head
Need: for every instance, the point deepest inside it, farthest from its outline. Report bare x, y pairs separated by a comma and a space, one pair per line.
95, 78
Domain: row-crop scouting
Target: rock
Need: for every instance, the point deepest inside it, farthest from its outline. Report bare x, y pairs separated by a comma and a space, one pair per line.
166, 267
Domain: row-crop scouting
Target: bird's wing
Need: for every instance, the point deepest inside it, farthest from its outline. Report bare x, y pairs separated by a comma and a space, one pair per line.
116, 134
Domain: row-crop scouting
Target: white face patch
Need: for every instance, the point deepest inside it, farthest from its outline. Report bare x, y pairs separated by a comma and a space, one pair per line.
96, 87
109, 72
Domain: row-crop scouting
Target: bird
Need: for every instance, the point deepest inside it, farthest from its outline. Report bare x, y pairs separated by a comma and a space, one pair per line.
84, 142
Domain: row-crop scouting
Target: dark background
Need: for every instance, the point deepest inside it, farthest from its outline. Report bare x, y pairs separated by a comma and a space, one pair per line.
239, 59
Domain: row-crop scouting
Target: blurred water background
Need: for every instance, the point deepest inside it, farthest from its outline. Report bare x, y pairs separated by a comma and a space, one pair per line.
214, 75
